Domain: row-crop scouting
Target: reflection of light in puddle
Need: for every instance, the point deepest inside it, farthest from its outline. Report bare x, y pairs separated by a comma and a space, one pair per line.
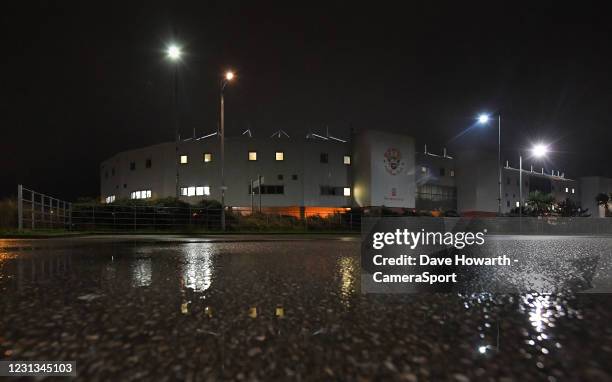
197, 271
540, 310
346, 267
142, 272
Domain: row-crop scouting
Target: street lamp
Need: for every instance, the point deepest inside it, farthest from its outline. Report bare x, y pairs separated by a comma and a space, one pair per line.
229, 76
538, 151
174, 54
483, 119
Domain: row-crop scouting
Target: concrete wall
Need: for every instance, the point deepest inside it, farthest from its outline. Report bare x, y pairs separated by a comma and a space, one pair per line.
385, 169
476, 174
302, 158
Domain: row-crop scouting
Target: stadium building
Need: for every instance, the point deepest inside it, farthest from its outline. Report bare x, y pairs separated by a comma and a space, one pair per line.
322, 174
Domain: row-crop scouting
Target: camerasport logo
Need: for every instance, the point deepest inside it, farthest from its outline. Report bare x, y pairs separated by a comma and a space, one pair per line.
393, 161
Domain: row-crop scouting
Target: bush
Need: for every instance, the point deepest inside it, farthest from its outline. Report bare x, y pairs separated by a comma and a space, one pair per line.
8, 214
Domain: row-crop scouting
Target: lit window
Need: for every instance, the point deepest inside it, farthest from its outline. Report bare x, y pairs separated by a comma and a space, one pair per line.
207, 157
424, 169
191, 191
452, 172
566, 189
347, 191
573, 191
280, 155
110, 199
347, 160
199, 191
252, 155
184, 159
183, 191
143, 194
206, 190
518, 204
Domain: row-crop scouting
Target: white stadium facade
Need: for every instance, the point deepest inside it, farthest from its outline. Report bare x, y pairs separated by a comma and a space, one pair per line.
322, 174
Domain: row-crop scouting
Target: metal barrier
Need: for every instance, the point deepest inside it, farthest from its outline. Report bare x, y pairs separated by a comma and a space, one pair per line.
40, 211
116, 217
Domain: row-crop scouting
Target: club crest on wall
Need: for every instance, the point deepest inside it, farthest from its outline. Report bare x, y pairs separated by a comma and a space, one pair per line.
393, 161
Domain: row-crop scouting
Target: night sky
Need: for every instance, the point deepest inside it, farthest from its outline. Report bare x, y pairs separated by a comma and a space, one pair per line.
81, 82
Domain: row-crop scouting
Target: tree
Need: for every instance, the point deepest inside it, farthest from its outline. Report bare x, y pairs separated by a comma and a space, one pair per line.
603, 200
569, 208
540, 203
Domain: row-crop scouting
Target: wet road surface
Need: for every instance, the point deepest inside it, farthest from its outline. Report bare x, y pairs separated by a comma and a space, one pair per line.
276, 308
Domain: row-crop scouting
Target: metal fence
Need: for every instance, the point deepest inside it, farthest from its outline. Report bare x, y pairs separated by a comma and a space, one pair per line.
40, 211
158, 218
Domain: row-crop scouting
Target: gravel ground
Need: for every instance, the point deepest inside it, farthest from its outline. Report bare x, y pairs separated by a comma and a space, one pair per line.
276, 308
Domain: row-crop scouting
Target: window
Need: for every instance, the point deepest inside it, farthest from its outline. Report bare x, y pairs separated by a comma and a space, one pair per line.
347, 191
573, 191
452, 172
347, 160
507, 203
124, 185
294, 177
436, 193
148, 163
195, 191
518, 204
142, 194
113, 171
442, 171
252, 155
507, 180
105, 174
207, 157
566, 189
280, 155
110, 199
324, 158
424, 169
268, 189
280, 177
184, 159
335, 191
132, 166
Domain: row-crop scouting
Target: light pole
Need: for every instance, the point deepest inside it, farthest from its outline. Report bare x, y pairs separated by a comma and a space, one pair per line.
174, 54
224, 81
538, 151
484, 119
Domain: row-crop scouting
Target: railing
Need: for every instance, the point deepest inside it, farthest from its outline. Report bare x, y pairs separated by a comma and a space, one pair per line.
113, 217
40, 211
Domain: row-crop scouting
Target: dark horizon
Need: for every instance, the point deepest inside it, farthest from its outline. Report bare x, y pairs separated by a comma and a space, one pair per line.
86, 82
